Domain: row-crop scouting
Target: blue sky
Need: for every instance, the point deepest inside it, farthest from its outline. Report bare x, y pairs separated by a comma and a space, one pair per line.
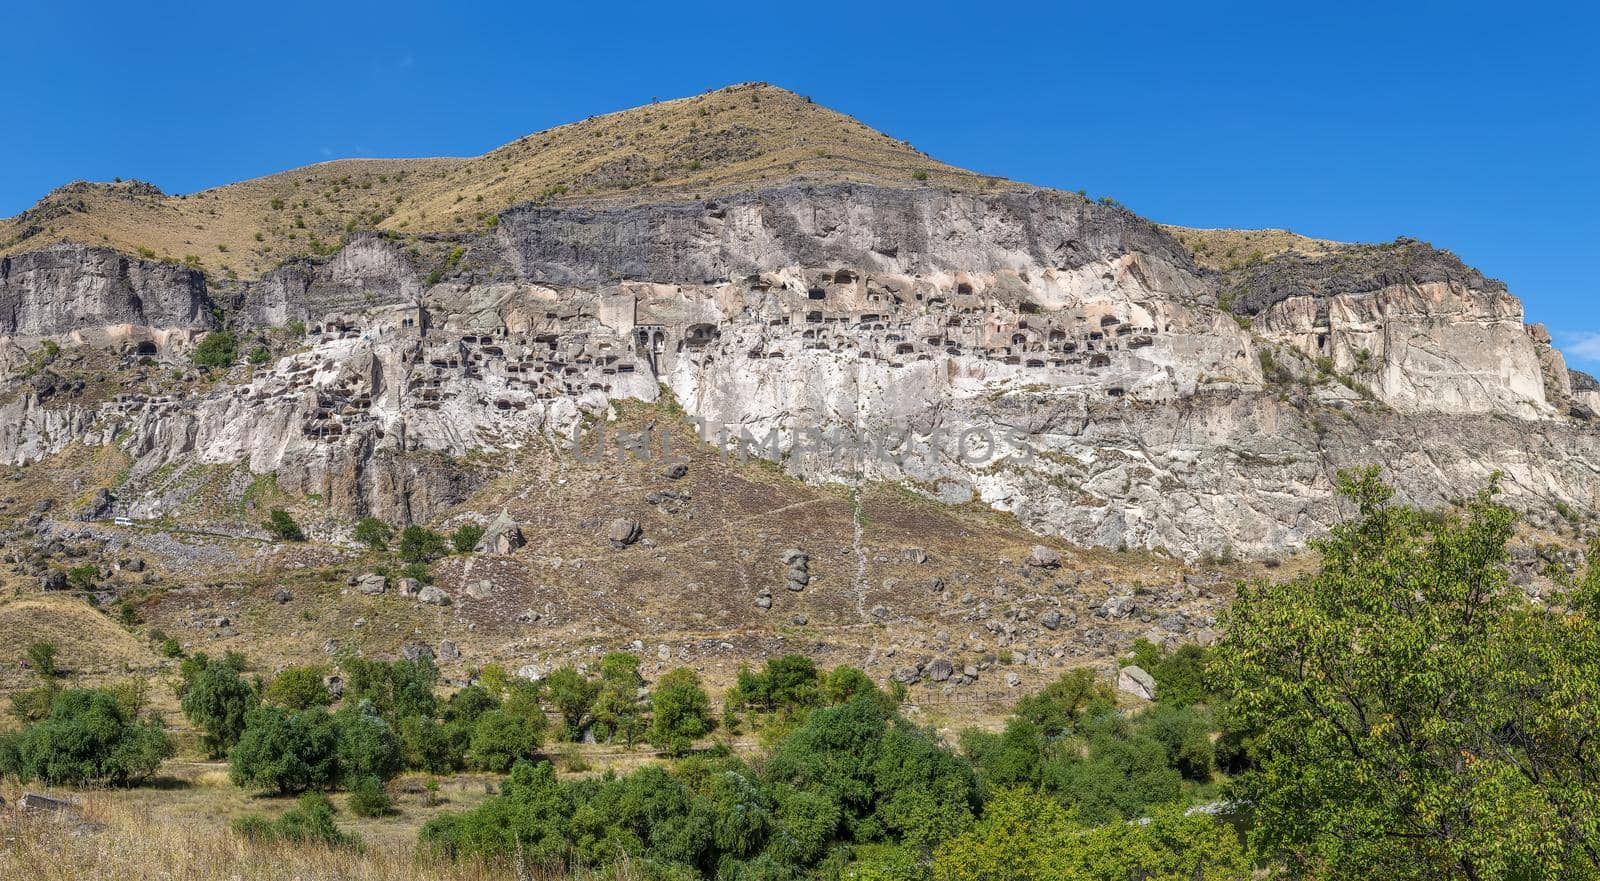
1471, 125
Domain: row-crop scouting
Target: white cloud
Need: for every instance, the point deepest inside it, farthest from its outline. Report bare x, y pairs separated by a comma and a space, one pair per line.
1582, 346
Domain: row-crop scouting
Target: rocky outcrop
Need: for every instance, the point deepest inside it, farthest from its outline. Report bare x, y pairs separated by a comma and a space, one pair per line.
368, 271
67, 288
1061, 360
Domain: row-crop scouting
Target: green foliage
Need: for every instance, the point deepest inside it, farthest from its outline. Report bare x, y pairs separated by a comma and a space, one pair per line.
1413, 716
219, 348
680, 711
419, 544
373, 533
1025, 836
1063, 704
260, 355
500, 739
367, 746
1181, 675
310, 821
282, 526
1123, 776
88, 738
369, 798
619, 712
465, 538
299, 688
83, 577
286, 752
788, 683
573, 697
42, 658
216, 700
33, 704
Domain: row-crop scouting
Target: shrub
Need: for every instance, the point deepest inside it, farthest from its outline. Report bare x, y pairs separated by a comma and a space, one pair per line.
367, 745
83, 577
298, 688
500, 739
170, 648
1023, 834
419, 544
373, 533
42, 658
369, 798
282, 526
465, 538
286, 752
260, 355
310, 821
88, 738
220, 348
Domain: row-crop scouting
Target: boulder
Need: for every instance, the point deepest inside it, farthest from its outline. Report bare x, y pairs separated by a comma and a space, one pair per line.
281, 596
908, 674
98, 506
372, 583
408, 587
433, 596
941, 670
1116, 608
623, 532
1050, 620
501, 536
1135, 681
54, 579
481, 589
1042, 557
411, 651
676, 471
33, 801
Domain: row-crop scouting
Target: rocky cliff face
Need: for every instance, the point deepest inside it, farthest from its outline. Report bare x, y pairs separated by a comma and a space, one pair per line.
68, 288
1062, 360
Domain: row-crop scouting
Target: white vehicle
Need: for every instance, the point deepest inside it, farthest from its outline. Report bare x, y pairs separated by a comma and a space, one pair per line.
123, 521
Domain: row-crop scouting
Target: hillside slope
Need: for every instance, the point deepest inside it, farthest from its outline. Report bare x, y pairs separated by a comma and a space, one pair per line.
726, 141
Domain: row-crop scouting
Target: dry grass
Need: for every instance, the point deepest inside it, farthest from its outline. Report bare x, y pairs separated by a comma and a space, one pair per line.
1226, 249
720, 142
130, 842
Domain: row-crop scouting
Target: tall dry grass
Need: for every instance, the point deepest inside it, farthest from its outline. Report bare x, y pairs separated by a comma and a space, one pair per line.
117, 841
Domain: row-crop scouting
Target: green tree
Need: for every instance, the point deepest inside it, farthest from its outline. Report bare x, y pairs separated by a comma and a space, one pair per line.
1414, 717
367, 745
286, 752
88, 738
500, 739
282, 526
419, 544
572, 694
373, 533
1025, 836
619, 712
299, 688
680, 711
216, 700
42, 658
